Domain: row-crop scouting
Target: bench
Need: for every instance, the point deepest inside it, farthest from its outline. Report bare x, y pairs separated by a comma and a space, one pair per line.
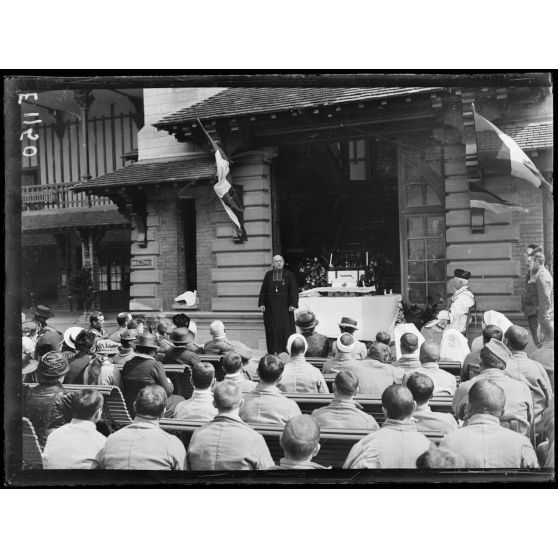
115, 412
30, 448
454, 367
309, 401
335, 444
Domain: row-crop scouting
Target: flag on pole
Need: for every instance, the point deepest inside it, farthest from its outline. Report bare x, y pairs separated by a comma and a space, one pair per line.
499, 155
225, 190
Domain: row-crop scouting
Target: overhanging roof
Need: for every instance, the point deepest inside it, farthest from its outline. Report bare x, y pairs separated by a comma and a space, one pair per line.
536, 135
242, 101
72, 218
159, 172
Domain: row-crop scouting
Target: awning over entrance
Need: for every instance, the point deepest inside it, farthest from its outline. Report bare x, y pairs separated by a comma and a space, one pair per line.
158, 172
56, 220
242, 101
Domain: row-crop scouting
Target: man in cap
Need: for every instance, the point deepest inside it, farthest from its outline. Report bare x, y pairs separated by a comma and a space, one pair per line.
471, 364
518, 412
76, 445
200, 406
144, 445
227, 443
397, 444
545, 353
482, 442
318, 344
144, 370
300, 441
85, 346
181, 338
444, 382
48, 338
300, 376
348, 325
462, 300
409, 361
96, 325
232, 367
344, 357
266, 404
521, 367
375, 373
219, 343
123, 319
48, 405
433, 330
278, 300
127, 345
491, 318
422, 388
537, 300
344, 411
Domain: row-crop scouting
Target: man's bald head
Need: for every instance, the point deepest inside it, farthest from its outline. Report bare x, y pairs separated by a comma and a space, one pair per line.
298, 346
486, 397
227, 396
409, 343
398, 402
516, 338
429, 352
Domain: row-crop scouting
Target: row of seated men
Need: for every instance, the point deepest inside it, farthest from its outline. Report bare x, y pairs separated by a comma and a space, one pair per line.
225, 441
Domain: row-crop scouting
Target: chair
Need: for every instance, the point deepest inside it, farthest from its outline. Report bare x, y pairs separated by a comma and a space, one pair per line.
180, 375
30, 450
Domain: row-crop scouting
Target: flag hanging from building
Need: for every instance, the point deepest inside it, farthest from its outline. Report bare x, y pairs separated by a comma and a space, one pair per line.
483, 199
225, 190
499, 155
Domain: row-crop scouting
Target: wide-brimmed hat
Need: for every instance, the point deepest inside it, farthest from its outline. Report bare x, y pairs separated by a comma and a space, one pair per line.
70, 336
43, 311
129, 335
462, 274
493, 318
146, 340
306, 320
29, 326
53, 365
181, 336
106, 347
498, 349
348, 322
30, 367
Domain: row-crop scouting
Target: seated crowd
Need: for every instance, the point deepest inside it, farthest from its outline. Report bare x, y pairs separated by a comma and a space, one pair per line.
502, 398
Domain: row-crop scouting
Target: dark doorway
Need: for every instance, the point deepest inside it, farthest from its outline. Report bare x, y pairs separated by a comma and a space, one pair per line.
340, 198
189, 220
39, 275
114, 277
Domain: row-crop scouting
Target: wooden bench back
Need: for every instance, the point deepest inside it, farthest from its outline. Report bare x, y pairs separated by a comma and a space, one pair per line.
310, 402
335, 444
30, 448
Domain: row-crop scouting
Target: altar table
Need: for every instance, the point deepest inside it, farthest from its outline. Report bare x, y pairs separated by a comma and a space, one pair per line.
373, 313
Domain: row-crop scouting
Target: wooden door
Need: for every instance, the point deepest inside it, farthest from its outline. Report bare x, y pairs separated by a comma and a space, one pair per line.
114, 277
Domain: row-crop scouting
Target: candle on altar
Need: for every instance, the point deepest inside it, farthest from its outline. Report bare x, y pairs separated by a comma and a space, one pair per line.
367, 258
330, 258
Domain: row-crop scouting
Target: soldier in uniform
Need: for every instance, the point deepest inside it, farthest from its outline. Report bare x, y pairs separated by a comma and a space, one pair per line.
537, 299
461, 301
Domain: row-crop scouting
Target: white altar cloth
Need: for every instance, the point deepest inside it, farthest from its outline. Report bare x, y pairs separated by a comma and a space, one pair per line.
373, 313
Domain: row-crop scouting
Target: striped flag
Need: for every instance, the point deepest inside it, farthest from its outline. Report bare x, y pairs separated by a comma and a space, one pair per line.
483, 199
225, 190
499, 155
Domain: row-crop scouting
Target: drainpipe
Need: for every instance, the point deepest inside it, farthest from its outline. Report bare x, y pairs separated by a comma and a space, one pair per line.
84, 99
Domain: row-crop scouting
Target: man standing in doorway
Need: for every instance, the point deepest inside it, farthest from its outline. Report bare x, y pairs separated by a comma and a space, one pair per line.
278, 301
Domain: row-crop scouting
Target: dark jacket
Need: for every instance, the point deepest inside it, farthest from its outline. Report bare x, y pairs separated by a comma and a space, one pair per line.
77, 367
318, 344
181, 355
139, 372
47, 407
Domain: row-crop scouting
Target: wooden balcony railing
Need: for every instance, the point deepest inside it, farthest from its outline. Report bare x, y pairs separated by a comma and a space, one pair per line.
57, 196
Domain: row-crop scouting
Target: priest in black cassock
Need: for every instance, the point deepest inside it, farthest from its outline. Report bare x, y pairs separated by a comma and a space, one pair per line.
278, 301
